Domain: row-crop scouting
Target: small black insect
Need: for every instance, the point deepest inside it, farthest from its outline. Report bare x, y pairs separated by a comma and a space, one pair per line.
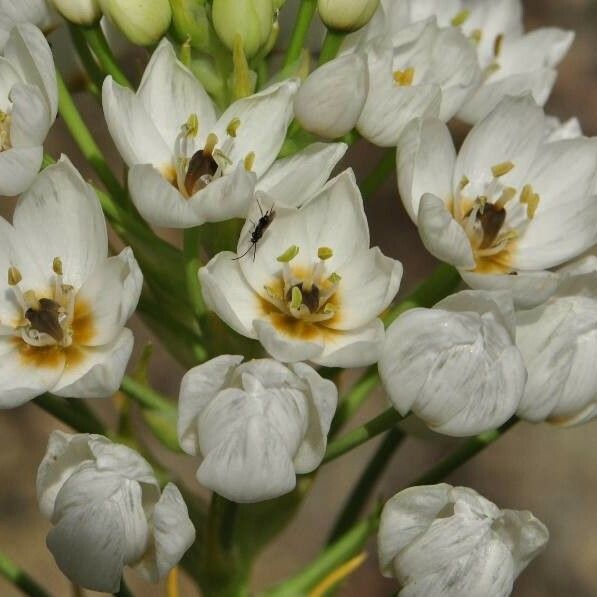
259, 229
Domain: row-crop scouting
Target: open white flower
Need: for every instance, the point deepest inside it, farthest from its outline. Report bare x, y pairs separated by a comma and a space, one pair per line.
28, 106
558, 341
17, 12
456, 366
257, 424
63, 301
381, 84
108, 512
513, 62
510, 203
311, 288
444, 541
187, 166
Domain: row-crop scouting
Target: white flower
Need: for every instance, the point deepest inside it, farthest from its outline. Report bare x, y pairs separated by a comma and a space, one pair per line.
17, 12
456, 366
558, 341
512, 62
379, 85
510, 203
444, 541
188, 167
63, 302
257, 424
311, 288
105, 504
28, 106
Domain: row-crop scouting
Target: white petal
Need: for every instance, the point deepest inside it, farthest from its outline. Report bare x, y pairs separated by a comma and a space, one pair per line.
26, 373
170, 93
132, 284
352, 348
251, 466
30, 117
173, 534
264, 119
286, 347
442, 236
161, 204
556, 130
425, 161
293, 180
18, 167
9, 76
97, 371
226, 292
131, 128
25, 11
368, 286
198, 387
60, 200
330, 101
28, 50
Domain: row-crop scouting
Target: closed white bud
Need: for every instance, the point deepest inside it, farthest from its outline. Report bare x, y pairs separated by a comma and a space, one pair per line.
346, 15
143, 22
79, 12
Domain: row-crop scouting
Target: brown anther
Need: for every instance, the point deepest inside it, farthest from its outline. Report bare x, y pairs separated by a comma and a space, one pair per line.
497, 44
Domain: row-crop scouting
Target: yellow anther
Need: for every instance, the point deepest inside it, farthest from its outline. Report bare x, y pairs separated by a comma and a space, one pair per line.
489, 70
57, 266
476, 35
481, 201
232, 127
531, 199
297, 298
210, 143
404, 77
329, 308
507, 195
463, 182
289, 254
501, 169
497, 45
249, 161
325, 253
3, 116
14, 276
334, 278
526, 192
192, 126
272, 293
460, 18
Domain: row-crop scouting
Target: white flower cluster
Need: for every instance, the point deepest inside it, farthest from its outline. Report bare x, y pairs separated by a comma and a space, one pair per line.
514, 211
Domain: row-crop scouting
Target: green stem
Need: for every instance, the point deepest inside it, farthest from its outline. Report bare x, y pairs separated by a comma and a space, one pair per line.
362, 434
302, 25
379, 174
87, 59
20, 578
145, 395
70, 412
192, 264
99, 45
353, 541
366, 483
80, 133
331, 44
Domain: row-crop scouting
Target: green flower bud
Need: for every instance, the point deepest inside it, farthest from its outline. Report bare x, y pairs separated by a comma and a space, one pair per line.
252, 20
346, 15
79, 12
190, 21
143, 22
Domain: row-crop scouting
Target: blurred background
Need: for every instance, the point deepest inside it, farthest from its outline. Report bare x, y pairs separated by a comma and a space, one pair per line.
548, 471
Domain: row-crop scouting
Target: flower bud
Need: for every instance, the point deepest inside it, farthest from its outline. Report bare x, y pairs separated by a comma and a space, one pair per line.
79, 12
346, 15
189, 18
143, 22
252, 20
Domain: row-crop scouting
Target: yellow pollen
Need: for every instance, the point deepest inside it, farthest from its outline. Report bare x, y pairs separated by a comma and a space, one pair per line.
249, 161
497, 45
324, 253
501, 169
14, 276
404, 77
233, 127
531, 199
289, 254
463, 182
210, 143
476, 35
57, 266
507, 194
297, 298
192, 126
460, 18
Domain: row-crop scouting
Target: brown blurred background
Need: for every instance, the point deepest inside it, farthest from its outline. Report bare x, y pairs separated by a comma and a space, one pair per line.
548, 471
